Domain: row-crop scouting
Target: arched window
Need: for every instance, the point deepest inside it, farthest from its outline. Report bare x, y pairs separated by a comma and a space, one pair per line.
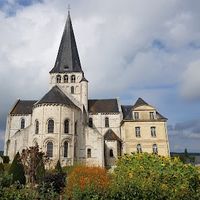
90, 123
50, 126
65, 79
89, 153
111, 153
73, 78
66, 126
139, 148
65, 149
155, 149
75, 128
22, 123
106, 122
58, 79
36, 126
50, 149
72, 89
153, 131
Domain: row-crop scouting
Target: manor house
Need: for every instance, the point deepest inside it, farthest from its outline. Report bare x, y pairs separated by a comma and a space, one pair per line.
72, 128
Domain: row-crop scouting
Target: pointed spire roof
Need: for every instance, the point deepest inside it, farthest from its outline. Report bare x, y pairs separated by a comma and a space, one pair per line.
140, 102
68, 58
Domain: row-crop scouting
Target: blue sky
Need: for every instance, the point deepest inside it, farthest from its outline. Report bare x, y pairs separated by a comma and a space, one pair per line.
147, 49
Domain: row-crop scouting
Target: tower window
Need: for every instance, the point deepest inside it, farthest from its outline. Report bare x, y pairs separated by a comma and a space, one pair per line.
65, 79
50, 126
151, 114
36, 126
106, 122
22, 126
89, 153
90, 124
111, 153
136, 115
58, 79
153, 131
137, 132
73, 79
72, 89
65, 149
50, 149
155, 149
139, 148
66, 126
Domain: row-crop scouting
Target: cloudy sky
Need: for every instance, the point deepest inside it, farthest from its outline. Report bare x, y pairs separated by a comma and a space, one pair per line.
128, 49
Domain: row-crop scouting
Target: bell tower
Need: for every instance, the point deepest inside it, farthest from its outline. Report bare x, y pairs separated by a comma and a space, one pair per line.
67, 72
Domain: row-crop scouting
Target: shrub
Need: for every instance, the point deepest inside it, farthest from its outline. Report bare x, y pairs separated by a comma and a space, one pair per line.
87, 183
58, 167
1, 168
40, 171
6, 159
5, 180
17, 170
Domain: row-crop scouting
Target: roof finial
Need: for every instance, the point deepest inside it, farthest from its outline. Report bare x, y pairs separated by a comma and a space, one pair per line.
68, 9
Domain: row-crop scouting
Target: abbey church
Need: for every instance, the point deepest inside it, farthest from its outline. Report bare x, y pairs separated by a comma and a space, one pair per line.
74, 129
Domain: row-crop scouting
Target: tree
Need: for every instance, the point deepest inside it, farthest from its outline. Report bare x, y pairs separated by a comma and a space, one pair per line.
58, 167
17, 170
1, 168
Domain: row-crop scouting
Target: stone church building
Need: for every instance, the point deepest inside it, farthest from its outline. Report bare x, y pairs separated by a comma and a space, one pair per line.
72, 128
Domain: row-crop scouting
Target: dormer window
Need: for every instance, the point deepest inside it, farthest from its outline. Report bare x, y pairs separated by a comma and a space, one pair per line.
73, 78
152, 116
65, 79
58, 79
136, 115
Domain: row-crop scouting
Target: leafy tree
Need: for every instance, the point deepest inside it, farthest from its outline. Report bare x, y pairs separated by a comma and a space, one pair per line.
58, 167
17, 170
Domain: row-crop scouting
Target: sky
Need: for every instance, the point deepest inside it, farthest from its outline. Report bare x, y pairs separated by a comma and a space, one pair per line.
128, 49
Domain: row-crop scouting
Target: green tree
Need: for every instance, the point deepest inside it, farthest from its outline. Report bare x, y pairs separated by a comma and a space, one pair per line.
1, 168
58, 167
17, 170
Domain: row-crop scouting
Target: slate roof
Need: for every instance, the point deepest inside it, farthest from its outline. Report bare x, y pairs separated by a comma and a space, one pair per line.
110, 135
23, 107
56, 96
103, 106
140, 102
67, 58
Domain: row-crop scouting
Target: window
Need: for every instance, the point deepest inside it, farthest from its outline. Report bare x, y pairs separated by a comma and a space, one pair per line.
137, 132
90, 123
155, 149
153, 131
111, 153
106, 122
65, 149
50, 126
139, 148
151, 114
66, 126
50, 149
58, 79
22, 123
36, 126
89, 153
136, 115
65, 79
72, 89
73, 78
75, 128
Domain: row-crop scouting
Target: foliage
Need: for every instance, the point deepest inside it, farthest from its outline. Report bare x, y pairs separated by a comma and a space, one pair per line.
1, 168
146, 176
58, 167
5, 180
87, 183
17, 170
186, 158
40, 171
6, 159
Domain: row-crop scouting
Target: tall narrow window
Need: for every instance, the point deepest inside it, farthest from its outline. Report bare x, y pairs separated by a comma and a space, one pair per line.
75, 128
89, 153
73, 78
151, 115
90, 123
36, 126
155, 149
137, 132
50, 149
66, 126
136, 115
65, 149
72, 89
58, 79
50, 126
139, 148
153, 131
65, 79
22, 124
111, 153
106, 122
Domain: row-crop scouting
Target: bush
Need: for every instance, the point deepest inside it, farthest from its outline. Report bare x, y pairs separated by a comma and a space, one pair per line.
5, 180
1, 168
6, 159
58, 167
40, 171
87, 183
17, 170
146, 176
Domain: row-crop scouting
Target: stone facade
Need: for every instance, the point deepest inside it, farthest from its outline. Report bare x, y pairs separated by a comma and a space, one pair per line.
72, 128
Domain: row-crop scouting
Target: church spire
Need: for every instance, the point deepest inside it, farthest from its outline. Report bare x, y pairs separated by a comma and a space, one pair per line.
68, 58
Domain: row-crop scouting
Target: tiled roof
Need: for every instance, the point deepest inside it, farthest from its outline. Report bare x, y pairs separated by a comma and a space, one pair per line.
110, 135
103, 106
140, 102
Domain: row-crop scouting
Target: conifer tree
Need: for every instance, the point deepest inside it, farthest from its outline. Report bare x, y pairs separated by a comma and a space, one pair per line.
17, 170
40, 171
58, 167
1, 168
